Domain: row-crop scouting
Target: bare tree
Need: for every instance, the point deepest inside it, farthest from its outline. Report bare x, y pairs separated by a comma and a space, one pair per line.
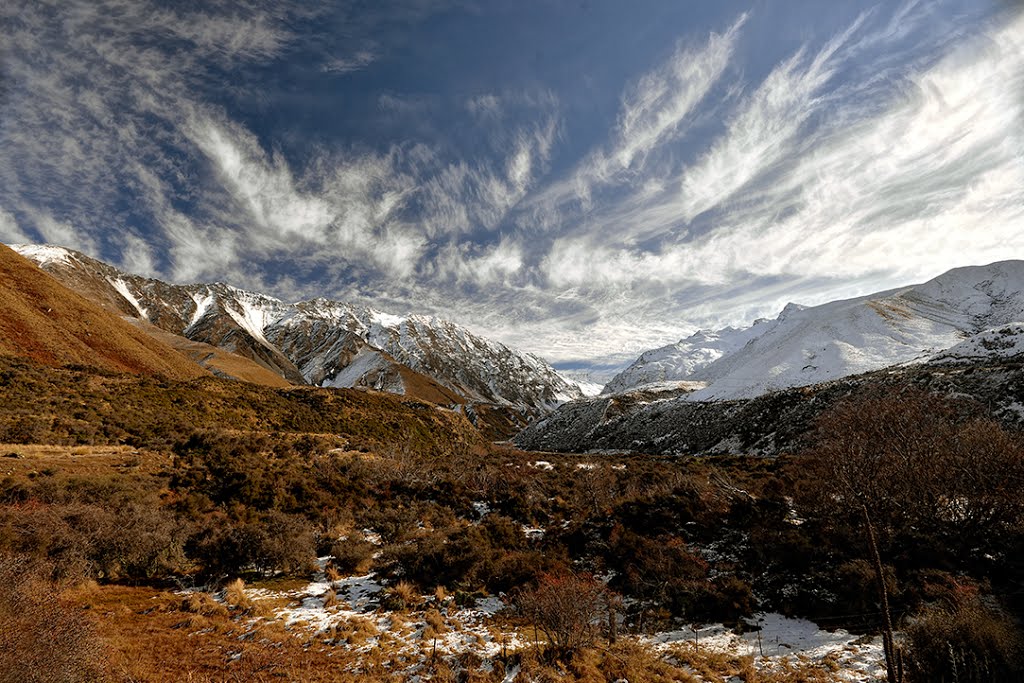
911, 463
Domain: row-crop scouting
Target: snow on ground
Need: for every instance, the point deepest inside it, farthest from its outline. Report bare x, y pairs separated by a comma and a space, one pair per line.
857, 658
466, 629
479, 629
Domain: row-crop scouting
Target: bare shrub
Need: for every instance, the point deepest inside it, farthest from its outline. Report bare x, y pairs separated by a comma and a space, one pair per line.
567, 608
968, 643
42, 638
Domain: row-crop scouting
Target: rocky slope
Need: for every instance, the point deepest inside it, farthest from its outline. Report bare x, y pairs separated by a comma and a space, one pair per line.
322, 342
669, 422
808, 345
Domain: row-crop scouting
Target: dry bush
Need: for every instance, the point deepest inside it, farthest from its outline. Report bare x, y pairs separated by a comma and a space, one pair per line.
968, 643
567, 608
42, 638
921, 468
352, 556
330, 599
401, 596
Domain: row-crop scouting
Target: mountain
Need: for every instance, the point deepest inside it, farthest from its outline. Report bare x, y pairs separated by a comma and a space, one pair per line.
669, 422
809, 345
325, 343
42, 320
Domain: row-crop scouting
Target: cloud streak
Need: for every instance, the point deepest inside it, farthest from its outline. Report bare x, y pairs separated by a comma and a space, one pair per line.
886, 150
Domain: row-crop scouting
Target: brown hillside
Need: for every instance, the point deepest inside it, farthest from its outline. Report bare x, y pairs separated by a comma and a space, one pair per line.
42, 320
218, 361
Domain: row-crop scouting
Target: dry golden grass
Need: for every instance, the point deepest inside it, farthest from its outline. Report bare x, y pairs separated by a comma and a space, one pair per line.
234, 595
218, 360
435, 621
159, 636
148, 640
20, 460
42, 320
202, 604
355, 632
402, 596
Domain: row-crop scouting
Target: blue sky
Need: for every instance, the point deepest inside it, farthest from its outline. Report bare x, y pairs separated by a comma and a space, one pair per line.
583, 180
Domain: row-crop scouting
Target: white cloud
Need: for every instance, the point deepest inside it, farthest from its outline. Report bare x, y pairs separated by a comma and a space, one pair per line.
10, 232
762, 131
861, 163
654, 108
343, 65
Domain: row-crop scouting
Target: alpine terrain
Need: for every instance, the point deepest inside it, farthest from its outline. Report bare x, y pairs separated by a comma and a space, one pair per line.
760, 389
326, 343
949, 316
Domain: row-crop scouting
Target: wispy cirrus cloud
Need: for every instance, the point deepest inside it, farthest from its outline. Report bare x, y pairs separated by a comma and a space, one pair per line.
343, 65
881, 149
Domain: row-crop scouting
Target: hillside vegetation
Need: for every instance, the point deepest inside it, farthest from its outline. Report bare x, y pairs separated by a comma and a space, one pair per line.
197, 483
42, 320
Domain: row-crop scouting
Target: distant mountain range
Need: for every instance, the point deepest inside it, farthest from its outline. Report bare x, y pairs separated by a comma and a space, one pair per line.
968, 312
321, 342
758, 390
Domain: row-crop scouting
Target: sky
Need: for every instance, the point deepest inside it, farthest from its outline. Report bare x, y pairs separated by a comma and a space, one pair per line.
583, 180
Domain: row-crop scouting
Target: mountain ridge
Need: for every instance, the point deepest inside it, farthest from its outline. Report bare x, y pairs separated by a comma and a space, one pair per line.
813, 344
324, 342
44, 321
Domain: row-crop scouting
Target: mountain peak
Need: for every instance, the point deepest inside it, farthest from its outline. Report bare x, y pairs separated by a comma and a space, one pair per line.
321, 341
805, 345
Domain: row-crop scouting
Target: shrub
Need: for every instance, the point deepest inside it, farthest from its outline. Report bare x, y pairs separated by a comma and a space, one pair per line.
41, 637
969, 643
352, 555
567, 608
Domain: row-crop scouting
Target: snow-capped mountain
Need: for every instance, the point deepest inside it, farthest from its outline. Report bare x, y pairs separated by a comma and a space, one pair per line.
322, 342
809, 345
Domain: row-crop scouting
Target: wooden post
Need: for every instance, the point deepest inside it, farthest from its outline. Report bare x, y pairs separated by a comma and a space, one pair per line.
893, 667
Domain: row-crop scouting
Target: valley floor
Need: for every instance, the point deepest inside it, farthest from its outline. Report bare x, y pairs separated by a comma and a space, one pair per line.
337, 630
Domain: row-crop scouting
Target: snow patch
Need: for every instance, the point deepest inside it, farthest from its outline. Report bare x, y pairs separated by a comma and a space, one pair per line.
858, 658
122, 288
43, 254
203, 303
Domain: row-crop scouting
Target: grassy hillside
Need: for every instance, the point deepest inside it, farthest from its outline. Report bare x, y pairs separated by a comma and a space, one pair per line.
42, 320
77, 406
